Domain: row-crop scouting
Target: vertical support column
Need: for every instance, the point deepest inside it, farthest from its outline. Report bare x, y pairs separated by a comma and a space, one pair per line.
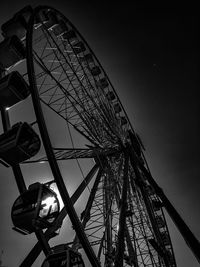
108, 218
122, 217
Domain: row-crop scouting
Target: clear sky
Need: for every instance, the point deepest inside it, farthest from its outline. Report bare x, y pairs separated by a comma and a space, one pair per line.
150, 54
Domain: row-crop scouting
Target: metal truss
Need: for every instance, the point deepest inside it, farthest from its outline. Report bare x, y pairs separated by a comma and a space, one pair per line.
77, 153
68, 84
116, 215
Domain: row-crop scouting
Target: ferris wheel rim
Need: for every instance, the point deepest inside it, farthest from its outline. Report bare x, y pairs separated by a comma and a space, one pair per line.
92, 52
47, 143
138, 162
107, 127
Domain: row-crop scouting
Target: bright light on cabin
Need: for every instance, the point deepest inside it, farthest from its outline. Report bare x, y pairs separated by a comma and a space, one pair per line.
48, 205
55, 189
48, 202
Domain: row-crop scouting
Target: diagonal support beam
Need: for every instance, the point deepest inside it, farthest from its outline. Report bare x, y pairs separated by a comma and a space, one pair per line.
86, 215
34, 253
185, 231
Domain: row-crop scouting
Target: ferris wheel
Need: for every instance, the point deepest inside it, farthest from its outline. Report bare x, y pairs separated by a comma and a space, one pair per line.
122, 222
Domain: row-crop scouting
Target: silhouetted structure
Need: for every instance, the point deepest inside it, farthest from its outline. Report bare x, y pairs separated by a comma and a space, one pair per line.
123, 217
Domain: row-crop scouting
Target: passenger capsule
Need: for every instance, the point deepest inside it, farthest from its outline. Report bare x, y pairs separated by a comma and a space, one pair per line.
156, 205
102, 83
160, 222
123, 121
95, 71
18, 144
87, 58
63, 256
117, 108
69, 35
150, 190
40, 18
17, 25
13, 89
60, 28
110, 96
170, 257
36, 208
165, 238
52, 20
78, 48
11, 52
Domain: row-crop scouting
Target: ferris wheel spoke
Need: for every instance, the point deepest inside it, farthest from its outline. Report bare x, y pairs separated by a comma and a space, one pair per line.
75, 71
82, 88
77, 153
80, 119
86, 119
95, 98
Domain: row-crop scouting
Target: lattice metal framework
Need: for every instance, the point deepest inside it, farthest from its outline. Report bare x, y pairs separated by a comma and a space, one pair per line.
123, 218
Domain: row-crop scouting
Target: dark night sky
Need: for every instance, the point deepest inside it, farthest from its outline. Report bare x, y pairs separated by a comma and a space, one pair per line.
150, 54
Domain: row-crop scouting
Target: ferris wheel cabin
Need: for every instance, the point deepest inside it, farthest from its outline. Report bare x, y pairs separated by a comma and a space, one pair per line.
18, 144
63, 256
36, 208
13, 89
